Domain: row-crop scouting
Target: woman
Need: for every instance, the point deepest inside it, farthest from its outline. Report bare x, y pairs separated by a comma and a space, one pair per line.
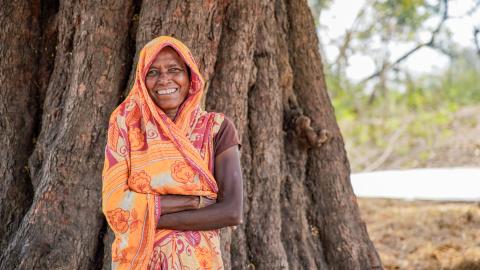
172, 173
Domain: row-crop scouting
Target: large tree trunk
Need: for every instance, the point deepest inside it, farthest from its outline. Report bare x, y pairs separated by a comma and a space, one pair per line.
263, 69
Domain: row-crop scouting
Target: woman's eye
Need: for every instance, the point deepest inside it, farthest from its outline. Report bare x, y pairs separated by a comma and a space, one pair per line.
175, 70
152, 73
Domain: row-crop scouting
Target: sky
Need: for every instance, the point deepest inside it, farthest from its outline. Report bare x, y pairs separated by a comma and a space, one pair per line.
340, 16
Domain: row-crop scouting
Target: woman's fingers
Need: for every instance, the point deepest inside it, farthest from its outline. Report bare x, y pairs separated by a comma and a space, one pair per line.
207, 201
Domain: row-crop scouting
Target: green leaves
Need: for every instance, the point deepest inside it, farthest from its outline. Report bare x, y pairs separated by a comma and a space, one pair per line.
409, 118
407, 14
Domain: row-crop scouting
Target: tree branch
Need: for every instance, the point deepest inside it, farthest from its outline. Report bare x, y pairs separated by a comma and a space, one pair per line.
429, 43
476, 38
342, 50
392, 143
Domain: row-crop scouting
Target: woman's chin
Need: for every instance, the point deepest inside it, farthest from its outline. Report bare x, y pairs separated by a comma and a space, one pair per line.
169, 108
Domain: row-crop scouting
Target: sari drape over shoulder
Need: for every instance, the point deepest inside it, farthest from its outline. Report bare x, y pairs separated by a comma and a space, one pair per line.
148, 154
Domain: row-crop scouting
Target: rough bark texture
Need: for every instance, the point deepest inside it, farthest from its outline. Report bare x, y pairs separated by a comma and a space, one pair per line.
60, 230
18, 109
261, 63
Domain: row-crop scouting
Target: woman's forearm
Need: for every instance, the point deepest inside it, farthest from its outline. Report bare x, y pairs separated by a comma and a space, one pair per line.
212, 217
177, 203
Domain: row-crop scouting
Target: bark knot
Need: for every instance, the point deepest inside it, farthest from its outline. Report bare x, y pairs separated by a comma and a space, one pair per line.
307, 135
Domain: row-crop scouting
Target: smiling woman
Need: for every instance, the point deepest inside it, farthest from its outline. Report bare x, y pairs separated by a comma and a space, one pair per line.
168, 81
172, 173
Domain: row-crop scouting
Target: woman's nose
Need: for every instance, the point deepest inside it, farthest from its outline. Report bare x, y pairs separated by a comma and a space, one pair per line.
163, 79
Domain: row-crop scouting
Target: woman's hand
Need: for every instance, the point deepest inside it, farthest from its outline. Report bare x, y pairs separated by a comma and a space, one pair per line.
203, 201
177, 203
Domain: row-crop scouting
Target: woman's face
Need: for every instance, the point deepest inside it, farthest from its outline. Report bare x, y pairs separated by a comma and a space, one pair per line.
167, 81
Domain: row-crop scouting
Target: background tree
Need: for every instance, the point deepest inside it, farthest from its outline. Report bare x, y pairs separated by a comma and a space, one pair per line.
66, 65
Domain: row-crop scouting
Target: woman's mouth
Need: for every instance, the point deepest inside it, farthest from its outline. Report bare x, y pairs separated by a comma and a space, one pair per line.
166, 91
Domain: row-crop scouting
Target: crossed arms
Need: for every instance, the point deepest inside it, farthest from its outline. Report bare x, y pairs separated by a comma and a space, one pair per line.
180, 212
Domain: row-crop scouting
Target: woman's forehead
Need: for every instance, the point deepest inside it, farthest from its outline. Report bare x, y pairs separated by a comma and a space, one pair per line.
168, 56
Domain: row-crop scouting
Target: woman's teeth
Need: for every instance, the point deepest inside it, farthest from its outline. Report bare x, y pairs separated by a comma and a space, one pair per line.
167, 91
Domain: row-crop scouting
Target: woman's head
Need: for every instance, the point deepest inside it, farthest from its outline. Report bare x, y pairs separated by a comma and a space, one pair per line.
167, 77
167, 81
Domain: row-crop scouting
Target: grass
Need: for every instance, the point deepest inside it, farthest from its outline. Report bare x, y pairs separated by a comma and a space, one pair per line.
424, 235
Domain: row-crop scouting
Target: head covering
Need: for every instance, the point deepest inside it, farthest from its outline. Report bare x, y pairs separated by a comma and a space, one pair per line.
189, 109
149, 154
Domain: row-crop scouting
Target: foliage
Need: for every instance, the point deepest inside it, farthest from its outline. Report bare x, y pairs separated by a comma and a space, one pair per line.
381, 25
394, 113
317, 6
402, 17
410, 117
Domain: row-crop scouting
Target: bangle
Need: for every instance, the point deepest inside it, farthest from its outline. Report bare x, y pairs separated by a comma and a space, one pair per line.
200, 202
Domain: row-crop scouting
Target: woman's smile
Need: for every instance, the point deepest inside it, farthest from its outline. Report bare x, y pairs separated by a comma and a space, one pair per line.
166, 91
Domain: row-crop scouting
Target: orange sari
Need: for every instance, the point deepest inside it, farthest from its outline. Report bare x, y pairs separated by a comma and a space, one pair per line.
148, 154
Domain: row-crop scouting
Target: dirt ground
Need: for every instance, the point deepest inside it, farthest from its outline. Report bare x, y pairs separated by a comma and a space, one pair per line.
424, 235
427, 235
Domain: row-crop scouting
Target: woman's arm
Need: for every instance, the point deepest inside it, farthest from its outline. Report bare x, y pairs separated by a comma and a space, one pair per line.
227, 211
177, 203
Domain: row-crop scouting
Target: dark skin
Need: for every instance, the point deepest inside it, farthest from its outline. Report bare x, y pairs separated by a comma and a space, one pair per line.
179, 212
176, 203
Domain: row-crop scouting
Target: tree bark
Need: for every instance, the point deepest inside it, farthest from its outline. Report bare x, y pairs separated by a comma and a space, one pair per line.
261, 63
18, 109
61, 228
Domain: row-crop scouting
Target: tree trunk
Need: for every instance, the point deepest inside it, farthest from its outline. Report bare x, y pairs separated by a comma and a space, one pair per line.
261, 63
18, 109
